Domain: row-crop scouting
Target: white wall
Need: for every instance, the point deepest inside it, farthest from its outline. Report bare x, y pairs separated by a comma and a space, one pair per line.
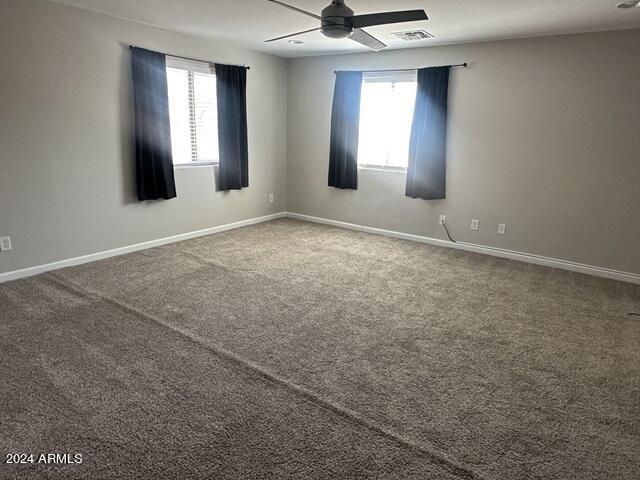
67, 178
543, 136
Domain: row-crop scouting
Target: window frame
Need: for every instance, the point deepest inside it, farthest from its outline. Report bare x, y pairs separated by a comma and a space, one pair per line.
382, 168
386, 76
193, 66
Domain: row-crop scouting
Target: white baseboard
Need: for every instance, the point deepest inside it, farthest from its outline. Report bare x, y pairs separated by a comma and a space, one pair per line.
28, 272
470, 247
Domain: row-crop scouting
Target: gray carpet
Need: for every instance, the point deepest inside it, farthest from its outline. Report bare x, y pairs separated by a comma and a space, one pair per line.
295, 350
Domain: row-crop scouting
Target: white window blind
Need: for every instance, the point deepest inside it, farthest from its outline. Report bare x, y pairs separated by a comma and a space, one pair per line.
386, 113
193, 111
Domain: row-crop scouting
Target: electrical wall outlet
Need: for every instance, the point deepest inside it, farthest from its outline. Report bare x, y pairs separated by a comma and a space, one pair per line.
5, 244
443, 219
502, 227
475, 224
271, 198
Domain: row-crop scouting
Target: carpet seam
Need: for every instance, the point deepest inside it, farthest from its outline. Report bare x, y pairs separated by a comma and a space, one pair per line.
439, 460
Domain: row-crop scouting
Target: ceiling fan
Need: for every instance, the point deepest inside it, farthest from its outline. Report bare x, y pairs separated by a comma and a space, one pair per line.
338, 21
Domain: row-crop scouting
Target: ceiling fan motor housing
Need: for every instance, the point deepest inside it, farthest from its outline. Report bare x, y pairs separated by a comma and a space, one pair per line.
334, 23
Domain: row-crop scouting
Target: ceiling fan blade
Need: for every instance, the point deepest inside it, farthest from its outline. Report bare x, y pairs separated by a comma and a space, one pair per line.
367, 40
359, 21
299, 10
292, 34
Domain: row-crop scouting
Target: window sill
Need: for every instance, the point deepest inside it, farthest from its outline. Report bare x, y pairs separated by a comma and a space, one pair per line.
180, 166
382, 168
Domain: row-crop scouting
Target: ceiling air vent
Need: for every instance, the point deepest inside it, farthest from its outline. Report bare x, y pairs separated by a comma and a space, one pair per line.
412, 35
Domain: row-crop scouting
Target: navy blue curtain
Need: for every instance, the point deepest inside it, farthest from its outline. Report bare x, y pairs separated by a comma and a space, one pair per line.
231, 85
345, 123
426, 171
154, 162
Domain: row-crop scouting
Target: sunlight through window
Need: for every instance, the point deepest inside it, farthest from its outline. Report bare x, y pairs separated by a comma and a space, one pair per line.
193, 112
386, 113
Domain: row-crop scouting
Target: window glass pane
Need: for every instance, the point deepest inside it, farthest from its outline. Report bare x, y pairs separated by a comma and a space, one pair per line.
386, 113
206, 117
374, 105
178, 88
403, 102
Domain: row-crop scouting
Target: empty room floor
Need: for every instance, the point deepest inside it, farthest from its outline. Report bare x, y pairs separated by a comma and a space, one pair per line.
295, 350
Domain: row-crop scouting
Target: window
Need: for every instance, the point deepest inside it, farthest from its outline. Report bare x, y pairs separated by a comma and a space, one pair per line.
386, 113
193, 112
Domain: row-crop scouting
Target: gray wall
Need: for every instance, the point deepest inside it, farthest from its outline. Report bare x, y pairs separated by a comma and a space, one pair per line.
543, 136
67, 184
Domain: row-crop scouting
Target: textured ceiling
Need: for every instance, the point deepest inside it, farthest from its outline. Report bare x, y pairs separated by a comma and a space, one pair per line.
249, 22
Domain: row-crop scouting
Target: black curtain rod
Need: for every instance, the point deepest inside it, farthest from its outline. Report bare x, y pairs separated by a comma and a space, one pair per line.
465, 64
195, 59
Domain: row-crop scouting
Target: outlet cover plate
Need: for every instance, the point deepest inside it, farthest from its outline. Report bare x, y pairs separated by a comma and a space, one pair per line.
475, 224
5, 244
